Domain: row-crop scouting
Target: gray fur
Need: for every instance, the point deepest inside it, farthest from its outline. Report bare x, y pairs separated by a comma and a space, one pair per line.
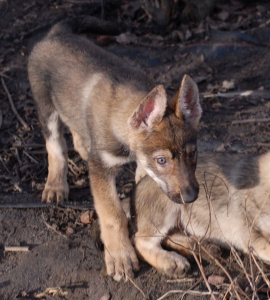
232, 210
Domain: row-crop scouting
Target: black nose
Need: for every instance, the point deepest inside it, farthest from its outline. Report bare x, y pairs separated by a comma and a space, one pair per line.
190, 195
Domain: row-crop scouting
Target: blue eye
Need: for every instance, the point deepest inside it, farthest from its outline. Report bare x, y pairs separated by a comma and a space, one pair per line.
192, 155
161, 160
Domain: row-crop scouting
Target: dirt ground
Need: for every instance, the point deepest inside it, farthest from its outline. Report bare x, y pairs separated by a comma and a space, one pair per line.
226, 54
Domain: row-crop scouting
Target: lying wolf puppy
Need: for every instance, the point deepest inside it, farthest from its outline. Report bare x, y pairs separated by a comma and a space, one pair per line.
233, 209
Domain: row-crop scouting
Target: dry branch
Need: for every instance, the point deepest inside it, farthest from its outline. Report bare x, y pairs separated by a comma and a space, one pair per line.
53, 229
25, 126
16, 249
189, 292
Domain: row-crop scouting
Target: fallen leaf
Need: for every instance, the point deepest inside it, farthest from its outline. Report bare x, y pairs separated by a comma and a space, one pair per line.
106, 297
87, 217
216, 279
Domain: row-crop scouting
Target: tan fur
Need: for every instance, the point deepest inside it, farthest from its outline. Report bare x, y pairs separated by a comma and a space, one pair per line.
79, 145
232, 210
116, 115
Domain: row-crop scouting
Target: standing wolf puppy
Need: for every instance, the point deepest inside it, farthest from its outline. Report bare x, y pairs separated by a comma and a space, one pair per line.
116, 115
232, 209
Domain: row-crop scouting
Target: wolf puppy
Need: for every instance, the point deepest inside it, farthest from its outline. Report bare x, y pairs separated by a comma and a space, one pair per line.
116, 115
233, 209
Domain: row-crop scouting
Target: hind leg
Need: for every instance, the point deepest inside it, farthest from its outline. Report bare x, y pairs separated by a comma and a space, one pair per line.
80, 146
56, 188
187, 245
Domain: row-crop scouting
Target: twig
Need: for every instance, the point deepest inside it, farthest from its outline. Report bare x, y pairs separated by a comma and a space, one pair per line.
4, 165
16, 249
261, 271
72, 165
253, 120
208, 193
181, 280
18, 156
72, 205
2, 73
203, 274
135, 285
254, 93
50, 227
26, 127
239, 122
259, 144
31, 145
30, 157
190, 292
223, 269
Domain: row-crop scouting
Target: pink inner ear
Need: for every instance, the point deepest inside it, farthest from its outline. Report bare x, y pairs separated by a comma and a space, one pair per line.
144, 112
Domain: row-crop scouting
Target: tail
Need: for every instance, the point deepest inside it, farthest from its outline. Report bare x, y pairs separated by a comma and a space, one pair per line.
84, 24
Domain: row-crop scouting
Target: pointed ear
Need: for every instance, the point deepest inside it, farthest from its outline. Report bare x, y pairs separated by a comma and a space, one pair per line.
186, 102
150, 111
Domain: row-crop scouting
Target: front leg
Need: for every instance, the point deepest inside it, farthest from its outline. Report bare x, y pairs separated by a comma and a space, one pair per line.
120, 256
169, 263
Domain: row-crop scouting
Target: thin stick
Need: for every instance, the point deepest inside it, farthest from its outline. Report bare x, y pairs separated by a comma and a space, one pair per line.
190, 292
135, 285
239, 122
181, 280
53, 229
253, 120
30, 157
72, 205
203, 274
17, 249
25, 126
261, 271
246, 93
223, 269
4, 165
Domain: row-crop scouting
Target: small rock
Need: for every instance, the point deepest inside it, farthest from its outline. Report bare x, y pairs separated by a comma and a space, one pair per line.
106, 297
188, 34
224, 15
70, 231
216, 279
228, 84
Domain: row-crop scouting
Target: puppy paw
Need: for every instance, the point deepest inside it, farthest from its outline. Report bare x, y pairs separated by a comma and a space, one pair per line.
174, 265
121, 260
55, 192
